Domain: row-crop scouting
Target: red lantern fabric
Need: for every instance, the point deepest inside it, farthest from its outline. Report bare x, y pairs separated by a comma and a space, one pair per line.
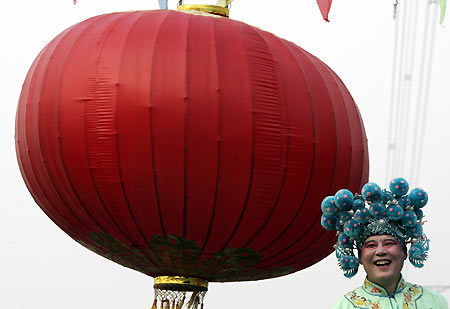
178, 144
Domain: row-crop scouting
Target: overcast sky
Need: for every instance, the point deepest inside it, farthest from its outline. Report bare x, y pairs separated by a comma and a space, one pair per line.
41, 267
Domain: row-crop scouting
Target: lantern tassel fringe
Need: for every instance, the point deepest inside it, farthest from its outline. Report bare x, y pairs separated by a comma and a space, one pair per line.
169, 299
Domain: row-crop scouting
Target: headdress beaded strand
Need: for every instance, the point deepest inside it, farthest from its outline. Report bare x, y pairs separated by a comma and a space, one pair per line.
376, 212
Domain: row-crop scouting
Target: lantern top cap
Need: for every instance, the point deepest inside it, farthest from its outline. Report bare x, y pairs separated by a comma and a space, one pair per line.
204, 9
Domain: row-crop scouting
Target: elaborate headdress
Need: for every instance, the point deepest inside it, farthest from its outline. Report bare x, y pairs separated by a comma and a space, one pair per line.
376, 212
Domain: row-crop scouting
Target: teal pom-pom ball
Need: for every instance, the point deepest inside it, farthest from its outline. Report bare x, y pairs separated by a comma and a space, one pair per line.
353, 262
351, 228
328, 222
415, 252
394, 212
328, 206
404, 201
377, 210
409, 219
415, 231
419, 197
386, 197
362, 215
371, 192
343, 260
421, 246
344, 199
344, 241
351, 266
358, 204
399, 186
344, 217
419, 214
417, 255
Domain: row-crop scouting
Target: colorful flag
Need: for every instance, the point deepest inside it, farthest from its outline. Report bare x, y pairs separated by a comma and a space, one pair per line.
443, 5
163, 4
324, 6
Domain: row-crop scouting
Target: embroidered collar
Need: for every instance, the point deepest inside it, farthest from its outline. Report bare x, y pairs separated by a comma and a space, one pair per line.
373, 296
375, 289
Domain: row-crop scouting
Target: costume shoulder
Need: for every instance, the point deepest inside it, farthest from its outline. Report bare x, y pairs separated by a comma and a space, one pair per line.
350, 300
343, 303
432, 297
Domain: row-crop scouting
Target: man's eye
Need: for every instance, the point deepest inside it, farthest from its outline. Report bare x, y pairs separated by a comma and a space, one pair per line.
370, 245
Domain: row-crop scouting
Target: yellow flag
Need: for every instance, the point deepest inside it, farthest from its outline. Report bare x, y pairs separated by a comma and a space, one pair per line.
224, 3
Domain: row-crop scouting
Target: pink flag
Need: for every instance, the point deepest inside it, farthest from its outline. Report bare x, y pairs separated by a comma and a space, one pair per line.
324, 6
74, 1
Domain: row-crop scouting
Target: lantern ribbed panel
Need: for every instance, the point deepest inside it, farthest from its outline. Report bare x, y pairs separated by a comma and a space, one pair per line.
142, 124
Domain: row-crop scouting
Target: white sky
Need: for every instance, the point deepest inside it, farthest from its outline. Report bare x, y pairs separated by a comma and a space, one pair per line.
41, 267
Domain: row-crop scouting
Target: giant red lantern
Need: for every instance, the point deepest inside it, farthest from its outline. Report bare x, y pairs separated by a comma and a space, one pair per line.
185, 145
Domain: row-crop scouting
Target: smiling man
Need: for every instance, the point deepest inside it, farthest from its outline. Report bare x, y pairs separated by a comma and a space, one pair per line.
379, 225
382, 257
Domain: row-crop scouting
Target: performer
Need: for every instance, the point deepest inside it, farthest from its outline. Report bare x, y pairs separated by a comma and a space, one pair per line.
379, 224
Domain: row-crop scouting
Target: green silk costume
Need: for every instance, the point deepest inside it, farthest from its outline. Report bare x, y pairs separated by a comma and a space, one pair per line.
406, 296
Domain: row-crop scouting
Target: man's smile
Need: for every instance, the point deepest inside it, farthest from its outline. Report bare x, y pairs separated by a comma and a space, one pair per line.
384, 262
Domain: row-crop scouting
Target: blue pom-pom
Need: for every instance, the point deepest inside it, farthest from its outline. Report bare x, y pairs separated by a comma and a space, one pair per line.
415, 231
358, 204
349, 265
343, 260
353, 262
394, 212
409, 219
417, 255
351, 228
328, 222
404, 201
371, 192
377, 210
419, 214
344, 241
328, 206
362, 216
386, 197
344, 199
415, 252
419, 197
421, 246
344, 217
399, 186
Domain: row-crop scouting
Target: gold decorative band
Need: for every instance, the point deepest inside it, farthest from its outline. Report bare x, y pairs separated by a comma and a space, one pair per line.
205, 8
179, 283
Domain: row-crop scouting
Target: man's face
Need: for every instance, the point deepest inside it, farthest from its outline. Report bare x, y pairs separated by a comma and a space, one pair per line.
382, 257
